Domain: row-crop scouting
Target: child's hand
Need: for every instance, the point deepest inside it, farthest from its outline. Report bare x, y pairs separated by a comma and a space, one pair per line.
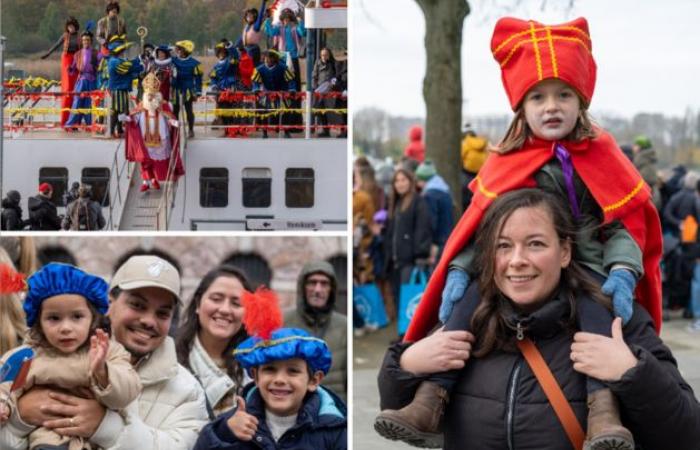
99, 344
455, 287
620, 286
242, 424
4, 413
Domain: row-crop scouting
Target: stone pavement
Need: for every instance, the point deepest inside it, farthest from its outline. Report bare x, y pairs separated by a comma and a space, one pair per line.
369, 350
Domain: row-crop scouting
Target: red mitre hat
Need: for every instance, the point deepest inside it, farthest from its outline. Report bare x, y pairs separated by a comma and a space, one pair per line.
529, 52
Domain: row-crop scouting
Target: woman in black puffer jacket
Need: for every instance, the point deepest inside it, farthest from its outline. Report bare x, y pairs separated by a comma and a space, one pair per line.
529, 285
407, 236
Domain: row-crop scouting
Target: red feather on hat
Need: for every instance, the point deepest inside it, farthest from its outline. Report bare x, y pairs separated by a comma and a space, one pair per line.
11, 281
262, 312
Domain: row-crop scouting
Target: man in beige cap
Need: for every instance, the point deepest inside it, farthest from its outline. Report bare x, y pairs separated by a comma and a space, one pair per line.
171, 408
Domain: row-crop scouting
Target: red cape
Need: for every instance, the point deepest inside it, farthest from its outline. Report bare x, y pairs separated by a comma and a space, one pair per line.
612, 180
135, 147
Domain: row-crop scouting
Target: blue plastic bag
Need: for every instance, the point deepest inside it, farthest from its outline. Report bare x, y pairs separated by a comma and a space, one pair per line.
409, 297
368, 302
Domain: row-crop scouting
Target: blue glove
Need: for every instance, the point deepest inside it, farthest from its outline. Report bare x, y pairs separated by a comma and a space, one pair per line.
620, 286
455, 287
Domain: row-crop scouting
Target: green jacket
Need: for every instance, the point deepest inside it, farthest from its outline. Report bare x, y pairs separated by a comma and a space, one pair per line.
598, 247
326, 324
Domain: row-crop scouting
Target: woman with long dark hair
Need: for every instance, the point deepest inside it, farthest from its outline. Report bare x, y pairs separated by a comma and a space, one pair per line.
212, 327
531, 289
407, 235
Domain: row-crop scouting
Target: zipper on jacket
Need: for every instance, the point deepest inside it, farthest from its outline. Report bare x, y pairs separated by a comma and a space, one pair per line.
512, 395
519, 331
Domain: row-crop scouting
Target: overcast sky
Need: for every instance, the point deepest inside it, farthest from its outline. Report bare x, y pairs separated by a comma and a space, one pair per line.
647, 52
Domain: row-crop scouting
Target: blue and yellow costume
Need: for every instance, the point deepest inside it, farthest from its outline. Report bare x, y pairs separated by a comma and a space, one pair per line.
187, 82
273, 78
224, 74
122, 73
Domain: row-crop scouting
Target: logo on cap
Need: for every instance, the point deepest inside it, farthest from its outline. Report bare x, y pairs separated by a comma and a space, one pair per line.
156, 268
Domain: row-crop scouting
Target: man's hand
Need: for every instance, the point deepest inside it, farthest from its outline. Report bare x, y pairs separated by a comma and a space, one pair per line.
242, 424
77, 416
601, 357
31, 404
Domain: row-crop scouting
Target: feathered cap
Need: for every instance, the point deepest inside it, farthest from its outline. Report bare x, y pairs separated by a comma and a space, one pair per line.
57, 279
529, 52
118, 44
187, 46
269, 342
11, 281
165, 48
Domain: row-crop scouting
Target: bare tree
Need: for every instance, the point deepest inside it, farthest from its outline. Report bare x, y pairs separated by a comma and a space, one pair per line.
442, 85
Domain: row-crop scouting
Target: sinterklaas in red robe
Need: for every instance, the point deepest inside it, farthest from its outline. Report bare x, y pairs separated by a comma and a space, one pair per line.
137, 151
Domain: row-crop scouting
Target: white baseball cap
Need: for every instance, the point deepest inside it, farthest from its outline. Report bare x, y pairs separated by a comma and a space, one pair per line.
147, 271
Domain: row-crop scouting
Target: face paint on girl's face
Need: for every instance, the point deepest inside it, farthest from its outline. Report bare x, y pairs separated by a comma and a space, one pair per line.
551, 109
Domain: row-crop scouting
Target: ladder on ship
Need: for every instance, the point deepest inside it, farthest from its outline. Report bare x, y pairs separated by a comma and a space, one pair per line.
143, 211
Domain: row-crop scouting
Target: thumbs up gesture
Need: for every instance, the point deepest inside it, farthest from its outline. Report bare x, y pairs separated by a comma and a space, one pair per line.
602, 357
243, 425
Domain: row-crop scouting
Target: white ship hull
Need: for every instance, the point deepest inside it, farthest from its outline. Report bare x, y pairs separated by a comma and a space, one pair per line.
25, 156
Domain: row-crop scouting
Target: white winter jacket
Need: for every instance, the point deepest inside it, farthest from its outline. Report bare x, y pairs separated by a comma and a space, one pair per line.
168, 414
217, 384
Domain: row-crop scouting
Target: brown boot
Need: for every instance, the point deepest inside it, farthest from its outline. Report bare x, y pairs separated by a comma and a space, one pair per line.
605, 431
417, 424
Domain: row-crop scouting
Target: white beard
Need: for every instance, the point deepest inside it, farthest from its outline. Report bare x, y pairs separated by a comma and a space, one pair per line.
151, 106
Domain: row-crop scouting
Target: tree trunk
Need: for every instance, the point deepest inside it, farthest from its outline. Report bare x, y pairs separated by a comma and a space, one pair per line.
442, 87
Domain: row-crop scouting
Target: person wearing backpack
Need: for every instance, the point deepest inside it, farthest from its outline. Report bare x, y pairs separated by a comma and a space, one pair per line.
84, 214
42, 211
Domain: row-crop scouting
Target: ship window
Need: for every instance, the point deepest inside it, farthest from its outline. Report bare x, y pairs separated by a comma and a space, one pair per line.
213, 187
257, 187
57, 177
299, 188
98, 178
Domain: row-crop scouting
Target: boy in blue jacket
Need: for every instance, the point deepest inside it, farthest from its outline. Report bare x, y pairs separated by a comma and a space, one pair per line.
286, 408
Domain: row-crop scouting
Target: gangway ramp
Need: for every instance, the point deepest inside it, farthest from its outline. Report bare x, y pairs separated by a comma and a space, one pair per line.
142, 210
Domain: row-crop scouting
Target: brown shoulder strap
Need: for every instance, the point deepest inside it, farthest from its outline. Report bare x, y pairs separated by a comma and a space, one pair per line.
551, 388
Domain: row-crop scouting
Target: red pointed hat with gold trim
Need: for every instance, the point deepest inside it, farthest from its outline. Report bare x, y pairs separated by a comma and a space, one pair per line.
529, 52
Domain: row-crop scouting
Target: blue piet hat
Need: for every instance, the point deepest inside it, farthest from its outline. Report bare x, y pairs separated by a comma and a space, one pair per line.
263, 319
57, 279
285, 343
